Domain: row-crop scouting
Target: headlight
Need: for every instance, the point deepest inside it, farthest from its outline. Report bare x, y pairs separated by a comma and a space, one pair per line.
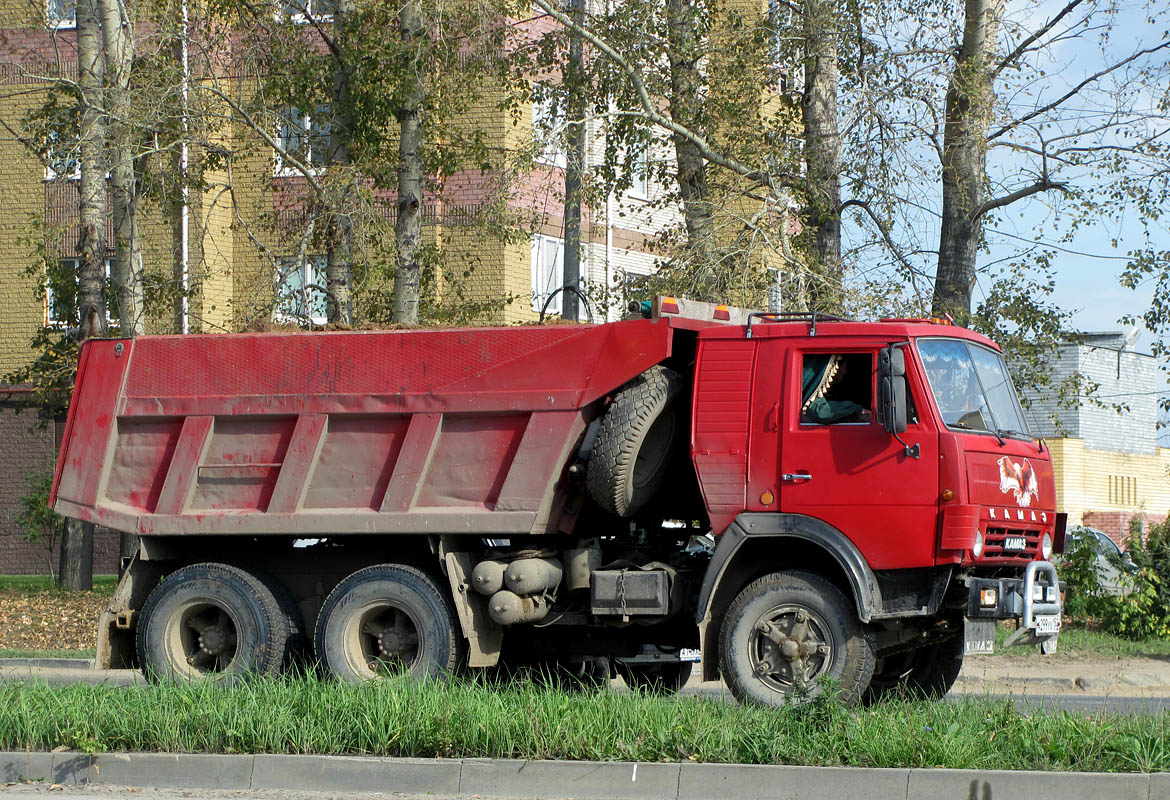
977, 548
1046, 546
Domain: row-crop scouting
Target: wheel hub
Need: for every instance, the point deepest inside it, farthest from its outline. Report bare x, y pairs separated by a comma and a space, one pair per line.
212, 640
391, 641
789, 648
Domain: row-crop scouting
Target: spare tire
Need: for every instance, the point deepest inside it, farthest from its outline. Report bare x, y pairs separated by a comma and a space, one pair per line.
636, 442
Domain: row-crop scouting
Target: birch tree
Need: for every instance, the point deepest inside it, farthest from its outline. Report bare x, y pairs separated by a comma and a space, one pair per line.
75, 570
117, 31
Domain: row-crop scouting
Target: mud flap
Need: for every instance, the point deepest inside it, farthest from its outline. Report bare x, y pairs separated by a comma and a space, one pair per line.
978, 636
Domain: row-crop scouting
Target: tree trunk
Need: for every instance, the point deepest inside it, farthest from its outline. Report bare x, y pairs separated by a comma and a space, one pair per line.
339, 264
964, 160
412, 136
118, 39
75, 567
686, 102
822, 150
91, 243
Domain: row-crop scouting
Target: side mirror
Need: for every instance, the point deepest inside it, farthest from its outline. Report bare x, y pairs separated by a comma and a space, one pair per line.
892, 369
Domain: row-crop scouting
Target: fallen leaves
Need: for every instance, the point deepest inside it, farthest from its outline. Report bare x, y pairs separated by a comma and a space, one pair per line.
48, 619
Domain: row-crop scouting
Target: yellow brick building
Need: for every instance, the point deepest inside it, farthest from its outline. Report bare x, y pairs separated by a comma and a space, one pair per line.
1108, 464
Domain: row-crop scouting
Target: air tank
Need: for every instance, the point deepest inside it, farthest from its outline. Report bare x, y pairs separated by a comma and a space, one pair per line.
533, 575
509, 608
487, 577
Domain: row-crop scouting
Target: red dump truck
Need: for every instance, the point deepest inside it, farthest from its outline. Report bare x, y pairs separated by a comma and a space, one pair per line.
777, 497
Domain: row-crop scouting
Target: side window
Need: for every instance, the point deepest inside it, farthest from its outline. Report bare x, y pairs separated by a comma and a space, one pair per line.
836, 388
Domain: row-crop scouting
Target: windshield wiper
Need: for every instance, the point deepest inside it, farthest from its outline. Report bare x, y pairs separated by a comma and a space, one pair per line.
1010, 432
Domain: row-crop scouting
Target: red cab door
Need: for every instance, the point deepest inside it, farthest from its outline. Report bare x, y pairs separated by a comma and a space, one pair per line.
839, 465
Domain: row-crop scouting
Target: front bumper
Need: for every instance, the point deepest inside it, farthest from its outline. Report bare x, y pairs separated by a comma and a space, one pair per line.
1034, 600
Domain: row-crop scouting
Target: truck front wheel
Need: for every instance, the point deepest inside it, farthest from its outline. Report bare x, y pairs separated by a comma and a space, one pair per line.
787, 631
212, 622
388, 619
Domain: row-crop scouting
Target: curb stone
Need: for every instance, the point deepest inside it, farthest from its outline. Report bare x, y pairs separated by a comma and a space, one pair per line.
60, 663
565, 779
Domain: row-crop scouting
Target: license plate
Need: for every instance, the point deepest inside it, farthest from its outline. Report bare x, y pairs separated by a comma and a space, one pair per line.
1015, 543
1047, 623
689, 654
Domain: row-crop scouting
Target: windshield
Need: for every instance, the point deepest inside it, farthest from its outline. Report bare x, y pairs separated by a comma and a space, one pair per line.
971, 387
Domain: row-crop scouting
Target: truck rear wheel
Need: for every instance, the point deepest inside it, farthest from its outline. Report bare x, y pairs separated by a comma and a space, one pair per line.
635, 442
388, 619
787, 631
212, 622
925, 672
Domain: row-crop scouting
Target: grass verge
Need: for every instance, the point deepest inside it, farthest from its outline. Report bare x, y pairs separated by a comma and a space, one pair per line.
9, 652
1083, 639
40, 583
529, 721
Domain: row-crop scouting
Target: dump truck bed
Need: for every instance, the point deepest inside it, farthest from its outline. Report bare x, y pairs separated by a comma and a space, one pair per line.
312, 434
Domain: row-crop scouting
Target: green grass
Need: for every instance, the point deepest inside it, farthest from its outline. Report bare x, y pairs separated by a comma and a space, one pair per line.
1085, 640
39, 583
8, 652
528, 721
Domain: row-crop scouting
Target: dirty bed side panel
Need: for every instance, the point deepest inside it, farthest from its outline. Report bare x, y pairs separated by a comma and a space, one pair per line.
447, 431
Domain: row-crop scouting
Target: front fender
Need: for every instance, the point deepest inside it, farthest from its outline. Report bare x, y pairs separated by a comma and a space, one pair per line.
866, 592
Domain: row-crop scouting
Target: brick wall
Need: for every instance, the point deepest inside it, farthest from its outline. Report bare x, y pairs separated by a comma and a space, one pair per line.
1116, 523
27, 450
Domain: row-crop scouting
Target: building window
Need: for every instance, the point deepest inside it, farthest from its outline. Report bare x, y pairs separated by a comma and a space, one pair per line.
61, 292
787, 57
547, 117
640, 173
548, 272
61, 13
300, 289
305, 137
62, 160
308, 10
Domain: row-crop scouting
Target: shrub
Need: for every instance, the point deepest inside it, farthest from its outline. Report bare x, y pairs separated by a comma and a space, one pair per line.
1085, 597
1146, 611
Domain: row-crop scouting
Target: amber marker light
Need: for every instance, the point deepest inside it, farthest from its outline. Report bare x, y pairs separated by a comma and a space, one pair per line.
723, 313
767, 498
668, 306
948, 494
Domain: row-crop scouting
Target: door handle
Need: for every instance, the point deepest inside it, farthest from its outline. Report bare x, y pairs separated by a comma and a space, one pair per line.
796, 476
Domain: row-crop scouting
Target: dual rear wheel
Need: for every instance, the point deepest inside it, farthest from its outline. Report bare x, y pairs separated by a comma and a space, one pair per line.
222, 623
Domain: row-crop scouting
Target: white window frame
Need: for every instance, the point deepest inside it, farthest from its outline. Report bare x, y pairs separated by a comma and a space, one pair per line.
544, 281
303, 18
54, 22
290, 115
314, 266
640, 167
544, 131
73, 156
50, 322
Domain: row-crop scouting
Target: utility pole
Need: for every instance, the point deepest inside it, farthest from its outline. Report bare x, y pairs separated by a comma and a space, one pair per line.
574, 165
